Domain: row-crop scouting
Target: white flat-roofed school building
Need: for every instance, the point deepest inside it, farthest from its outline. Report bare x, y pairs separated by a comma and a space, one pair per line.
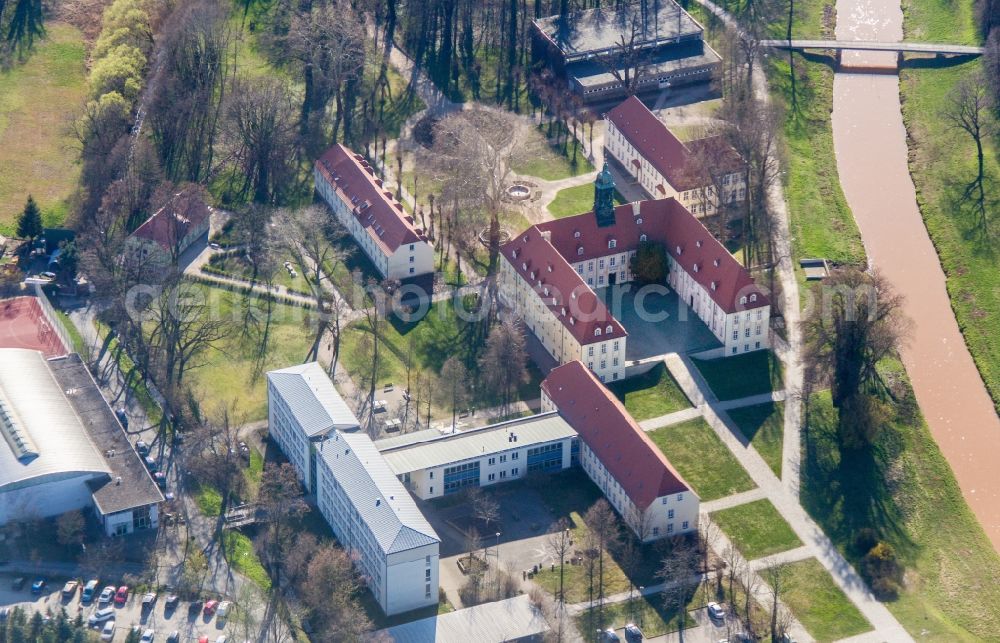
366, 506
432, 464
389, 236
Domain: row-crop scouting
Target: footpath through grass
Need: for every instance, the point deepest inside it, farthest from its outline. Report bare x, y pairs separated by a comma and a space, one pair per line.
942, 163
757, 529
818, 603
702, 459
652, 394
38, 101
904, 489
649, 612
732, 378
764, 426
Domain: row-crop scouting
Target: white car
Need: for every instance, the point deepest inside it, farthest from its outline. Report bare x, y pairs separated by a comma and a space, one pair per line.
222, 611
147, 637
716, 612
101, 615
221, 639
108, 632
106, 595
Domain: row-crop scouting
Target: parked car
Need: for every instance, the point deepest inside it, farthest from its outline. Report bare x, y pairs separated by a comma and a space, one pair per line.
148, 599
202, 639
223, 610
210, 607
174, 637
101, 615
38, 586
716, 612
48, 275
170, 603
89, 589
607, 636
194, 607
108, 632
69, 588
160, 479
121, 595
221, 639
147, 636
633, 634
142, 448
151, 463
18, 583
122, 416
107, 594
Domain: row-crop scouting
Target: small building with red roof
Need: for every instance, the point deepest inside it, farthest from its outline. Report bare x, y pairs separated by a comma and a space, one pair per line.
696, 173
637, 479
163, 237
366, 207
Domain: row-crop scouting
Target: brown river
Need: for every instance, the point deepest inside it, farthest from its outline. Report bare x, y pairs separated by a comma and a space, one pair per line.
870, 144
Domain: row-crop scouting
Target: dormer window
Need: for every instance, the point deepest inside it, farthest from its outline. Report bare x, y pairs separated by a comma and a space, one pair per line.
579, 251
576, 234
713, 285
563, 311
639, 221
572, 321
678, 250
608, 330
695, 267
642, 237
612, 243
550, 267
698, 243
546, 291
524, 266
597, 332
753, 297
716, 263
514, 254
743, 300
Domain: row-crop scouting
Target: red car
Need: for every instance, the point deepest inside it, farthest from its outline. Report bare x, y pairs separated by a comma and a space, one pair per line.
210, 607
203, 639
121, 595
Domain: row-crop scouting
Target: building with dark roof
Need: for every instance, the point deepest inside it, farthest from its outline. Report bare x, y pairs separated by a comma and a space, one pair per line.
696, 173
548, 273
667, 48
635, 476
63, 449
365, 206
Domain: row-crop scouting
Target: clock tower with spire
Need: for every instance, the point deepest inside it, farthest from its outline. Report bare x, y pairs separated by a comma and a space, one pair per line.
604, 198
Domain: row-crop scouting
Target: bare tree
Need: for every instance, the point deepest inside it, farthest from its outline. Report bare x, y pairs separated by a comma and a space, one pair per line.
859, 322
603, 524
484, 507
504, 363
452, 390
629, 58
776, 576
560, 543
970, 110
679, 573
280, 501
215, 459
330, 594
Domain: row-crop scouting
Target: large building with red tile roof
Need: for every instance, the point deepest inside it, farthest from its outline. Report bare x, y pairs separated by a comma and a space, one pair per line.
549, 272
695, 173
388, 235
635, 476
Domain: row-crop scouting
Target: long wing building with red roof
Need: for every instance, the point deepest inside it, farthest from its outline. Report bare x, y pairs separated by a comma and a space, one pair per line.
634, 475
388, 235
696, 173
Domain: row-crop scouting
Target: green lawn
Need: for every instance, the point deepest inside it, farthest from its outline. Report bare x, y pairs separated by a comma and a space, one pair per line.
648, 612
904, 489
651, 394
39, 99
819, 605
549, 162
225, 377
812, 19
757, 529
732, 378
241, 555
942, 161
764, 426
702, 459
576, 200
940, 21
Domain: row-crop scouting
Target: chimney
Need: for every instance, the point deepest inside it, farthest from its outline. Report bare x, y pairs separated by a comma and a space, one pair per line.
635, 208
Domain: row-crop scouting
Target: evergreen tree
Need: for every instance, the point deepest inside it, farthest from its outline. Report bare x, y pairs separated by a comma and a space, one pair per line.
29, 224
25, 24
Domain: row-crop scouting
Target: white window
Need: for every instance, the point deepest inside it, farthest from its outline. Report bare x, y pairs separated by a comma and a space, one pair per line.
590, 351
670, 513
743, 300
612, 262
680, 497
612, 243
684, 525
656, 531
615, 347
604, 364
609, 330
597, 332
670, 528
604, 349
753, 297
736, 334
642, 237
579, 251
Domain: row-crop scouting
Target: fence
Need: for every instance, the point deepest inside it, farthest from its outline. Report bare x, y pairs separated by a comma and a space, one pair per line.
54, 321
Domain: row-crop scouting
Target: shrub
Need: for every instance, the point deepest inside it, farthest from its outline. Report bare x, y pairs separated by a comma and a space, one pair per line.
883, 571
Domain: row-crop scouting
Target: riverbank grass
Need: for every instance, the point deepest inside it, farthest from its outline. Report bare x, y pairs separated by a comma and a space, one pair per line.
819, 604
903, 489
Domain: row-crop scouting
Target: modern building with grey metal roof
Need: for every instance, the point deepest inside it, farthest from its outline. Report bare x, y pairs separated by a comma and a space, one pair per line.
359, 495
62, 448
506, 621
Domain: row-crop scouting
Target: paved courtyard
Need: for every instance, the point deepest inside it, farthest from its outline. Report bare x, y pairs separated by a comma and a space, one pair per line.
657, 323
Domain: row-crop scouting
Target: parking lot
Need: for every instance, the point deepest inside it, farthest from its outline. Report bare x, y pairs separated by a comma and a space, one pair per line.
190, 624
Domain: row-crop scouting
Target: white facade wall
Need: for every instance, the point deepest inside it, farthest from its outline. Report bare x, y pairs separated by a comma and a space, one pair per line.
608, 359
408, 260
494, 468
740, 332
289, 435
126, 520
700, 202
398, 580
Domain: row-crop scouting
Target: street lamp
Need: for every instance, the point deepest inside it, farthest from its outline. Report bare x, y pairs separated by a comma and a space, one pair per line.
640, 609
498, 547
